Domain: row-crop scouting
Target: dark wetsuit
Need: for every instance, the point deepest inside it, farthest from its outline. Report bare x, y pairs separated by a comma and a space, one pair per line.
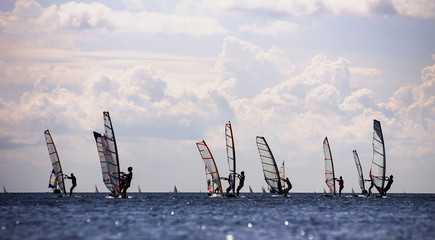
127, 181
390, 181
74, 184
341, 184
241, 182
289, 186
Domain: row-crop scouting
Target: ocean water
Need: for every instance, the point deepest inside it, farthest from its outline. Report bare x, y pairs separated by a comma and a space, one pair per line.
194, 216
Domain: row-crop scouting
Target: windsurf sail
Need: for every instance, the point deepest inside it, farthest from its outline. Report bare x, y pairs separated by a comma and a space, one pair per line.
231, 155
4, 189
378, 168
212, 174
138, 189
270, 170
282, 174
52, 182
360, 172
96, 189
108, 154
329, 167
175, 189
250, 190
55, 162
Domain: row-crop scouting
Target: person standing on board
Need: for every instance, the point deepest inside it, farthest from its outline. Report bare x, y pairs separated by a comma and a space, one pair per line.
74, 183
127, 180
390, 181
241, 181
229, 182
341, 184
289, 186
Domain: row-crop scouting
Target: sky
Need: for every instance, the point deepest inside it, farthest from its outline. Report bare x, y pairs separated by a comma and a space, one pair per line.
172, 73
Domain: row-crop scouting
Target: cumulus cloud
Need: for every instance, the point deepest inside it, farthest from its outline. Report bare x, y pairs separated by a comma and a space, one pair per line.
28, 16
246, 69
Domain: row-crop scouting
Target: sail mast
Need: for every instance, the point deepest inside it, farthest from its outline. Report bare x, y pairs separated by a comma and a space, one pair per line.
378, 168
282, 174
329, 167
55, 161
212, 173
270, 170
231, 154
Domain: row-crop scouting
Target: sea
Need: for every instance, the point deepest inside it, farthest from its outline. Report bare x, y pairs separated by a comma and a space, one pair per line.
196, 216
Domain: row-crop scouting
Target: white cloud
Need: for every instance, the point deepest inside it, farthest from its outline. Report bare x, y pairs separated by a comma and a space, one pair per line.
415, 8
274, 28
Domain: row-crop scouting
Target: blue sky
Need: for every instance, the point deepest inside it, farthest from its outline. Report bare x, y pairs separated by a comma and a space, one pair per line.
174, 73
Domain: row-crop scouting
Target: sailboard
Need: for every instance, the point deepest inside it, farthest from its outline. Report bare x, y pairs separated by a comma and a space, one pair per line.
58, 183
378, 168
109, 159
214, 185
329, 167
360, 172
231, 156
270, 169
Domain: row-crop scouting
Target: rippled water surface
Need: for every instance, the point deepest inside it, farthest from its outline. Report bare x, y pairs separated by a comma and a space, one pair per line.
194, 216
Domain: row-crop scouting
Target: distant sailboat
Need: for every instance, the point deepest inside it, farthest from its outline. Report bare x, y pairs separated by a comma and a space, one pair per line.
56, 181
360, 172
175, 189
138, 189
378, 168
282, 174
250, 190
231, 156
109, 159
270, 169
214, 185
96, 189
4, 189
329, 167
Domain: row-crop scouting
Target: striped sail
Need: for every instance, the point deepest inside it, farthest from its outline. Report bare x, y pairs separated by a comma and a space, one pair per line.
231, 155
377, 170
360, 172
270, 170
329, 167
55, 161
109, 166
212, 174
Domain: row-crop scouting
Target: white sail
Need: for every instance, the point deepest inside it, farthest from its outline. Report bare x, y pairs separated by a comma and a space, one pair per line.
55, 161
360, 172
108, 154
212, 174
329, 167
282, 174
4, 189
377, 170
270, 170
231, 155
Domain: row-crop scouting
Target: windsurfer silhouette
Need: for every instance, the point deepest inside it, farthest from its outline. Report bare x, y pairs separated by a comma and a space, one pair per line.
229, 182
289, 185
126, 178
341, 184
241, 177
390, 181
74, 183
